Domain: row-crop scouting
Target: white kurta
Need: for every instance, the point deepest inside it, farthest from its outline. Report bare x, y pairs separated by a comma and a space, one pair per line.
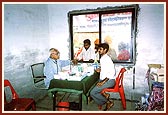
86, 55
107, 67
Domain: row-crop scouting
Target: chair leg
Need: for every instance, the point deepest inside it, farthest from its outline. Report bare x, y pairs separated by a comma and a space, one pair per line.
80, 102
34, 106
87, 100
123, 100
54, 101
100, 107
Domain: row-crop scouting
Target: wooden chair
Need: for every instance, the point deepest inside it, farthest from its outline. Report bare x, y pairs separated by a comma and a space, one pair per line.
17, 103
118, 87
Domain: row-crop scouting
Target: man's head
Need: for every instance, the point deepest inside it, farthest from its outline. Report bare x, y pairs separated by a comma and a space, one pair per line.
108, 39
54, 53
103, 48
96, 42
87, 43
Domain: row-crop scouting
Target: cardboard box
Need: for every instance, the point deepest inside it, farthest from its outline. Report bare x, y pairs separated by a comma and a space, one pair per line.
160, 74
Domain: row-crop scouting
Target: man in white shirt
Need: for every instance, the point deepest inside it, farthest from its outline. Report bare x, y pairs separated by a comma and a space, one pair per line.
87, 53
107, 78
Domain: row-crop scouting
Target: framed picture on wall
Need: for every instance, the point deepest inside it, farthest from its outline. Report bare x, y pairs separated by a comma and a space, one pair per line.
116, 26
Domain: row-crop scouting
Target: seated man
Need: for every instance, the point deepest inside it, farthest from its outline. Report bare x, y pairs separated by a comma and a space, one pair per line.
53, 65
87, 53
107, 79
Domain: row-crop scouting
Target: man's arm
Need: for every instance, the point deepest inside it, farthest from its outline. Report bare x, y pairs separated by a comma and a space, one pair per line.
65, 63
79, 57
102, 82
49, 73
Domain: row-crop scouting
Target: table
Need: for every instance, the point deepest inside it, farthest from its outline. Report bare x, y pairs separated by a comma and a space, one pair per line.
85, 85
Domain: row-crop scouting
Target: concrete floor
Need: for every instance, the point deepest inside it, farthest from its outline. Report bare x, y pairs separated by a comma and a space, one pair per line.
46, 104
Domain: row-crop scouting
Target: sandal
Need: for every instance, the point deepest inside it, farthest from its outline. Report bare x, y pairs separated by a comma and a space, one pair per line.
109, 104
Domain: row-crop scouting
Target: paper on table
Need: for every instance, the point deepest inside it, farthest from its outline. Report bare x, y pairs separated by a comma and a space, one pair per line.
61, 75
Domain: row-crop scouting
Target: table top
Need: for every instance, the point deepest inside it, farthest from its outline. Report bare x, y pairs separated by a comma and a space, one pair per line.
75, 73
83, 85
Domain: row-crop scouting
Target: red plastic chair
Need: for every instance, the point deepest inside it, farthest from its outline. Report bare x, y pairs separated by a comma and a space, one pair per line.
118, 87
17, 104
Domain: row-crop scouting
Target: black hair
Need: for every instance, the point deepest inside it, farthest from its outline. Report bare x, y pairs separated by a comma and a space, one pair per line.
86, 41
104, 46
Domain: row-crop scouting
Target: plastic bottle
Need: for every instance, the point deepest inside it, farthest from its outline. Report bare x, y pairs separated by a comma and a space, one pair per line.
96, 64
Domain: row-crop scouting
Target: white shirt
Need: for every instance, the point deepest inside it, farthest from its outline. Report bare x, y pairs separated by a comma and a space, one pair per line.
86, 55
107, 67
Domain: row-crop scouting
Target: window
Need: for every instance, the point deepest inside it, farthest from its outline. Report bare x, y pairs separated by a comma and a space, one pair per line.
116, 26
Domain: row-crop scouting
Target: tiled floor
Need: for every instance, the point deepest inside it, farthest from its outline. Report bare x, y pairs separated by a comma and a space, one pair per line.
46, 104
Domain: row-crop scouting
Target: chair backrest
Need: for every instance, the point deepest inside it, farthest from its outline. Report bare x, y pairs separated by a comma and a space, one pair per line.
119, 79
14, 94
38, 75
37, 72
